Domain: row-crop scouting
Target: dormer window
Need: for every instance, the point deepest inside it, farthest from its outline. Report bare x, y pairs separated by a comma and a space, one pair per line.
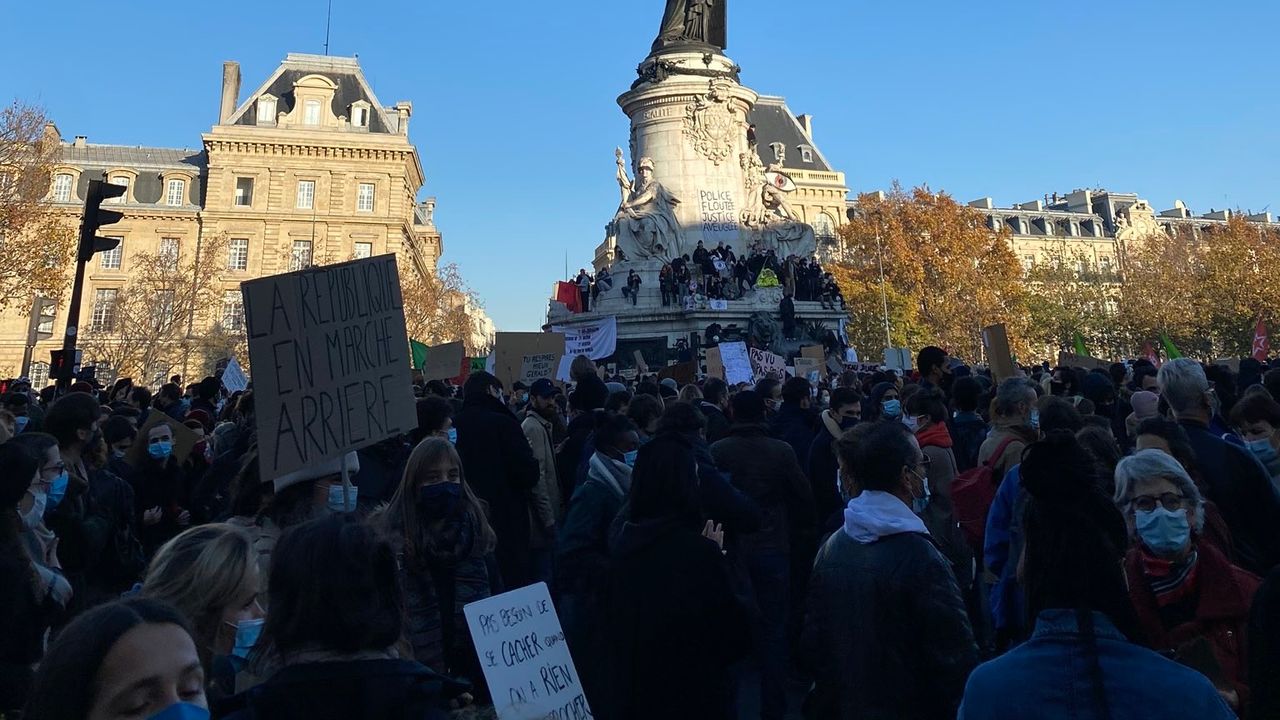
806, 154
311, 113
360, 114
267, 110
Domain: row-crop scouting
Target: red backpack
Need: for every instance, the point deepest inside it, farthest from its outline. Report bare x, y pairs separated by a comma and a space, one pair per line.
972, 493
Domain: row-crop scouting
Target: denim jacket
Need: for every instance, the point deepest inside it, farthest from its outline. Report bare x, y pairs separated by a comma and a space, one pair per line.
1051, 677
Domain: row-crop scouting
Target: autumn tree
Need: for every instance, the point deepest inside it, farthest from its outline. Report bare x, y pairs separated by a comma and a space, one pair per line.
438, 308
946, 274
1068, 294
36, 245
172, 304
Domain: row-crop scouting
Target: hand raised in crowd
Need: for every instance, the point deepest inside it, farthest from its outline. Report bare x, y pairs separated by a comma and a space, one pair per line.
714, 532
152, 516
184, 518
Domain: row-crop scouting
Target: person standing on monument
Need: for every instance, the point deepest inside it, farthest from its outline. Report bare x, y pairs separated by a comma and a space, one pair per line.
633, 286
787, 309
584, 289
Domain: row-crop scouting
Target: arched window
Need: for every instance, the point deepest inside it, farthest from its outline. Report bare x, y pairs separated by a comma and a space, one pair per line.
824, 227
62, 183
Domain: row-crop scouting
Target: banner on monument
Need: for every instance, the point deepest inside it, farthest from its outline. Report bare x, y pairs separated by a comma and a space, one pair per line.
511, 349
233, 377
736, 362
333, 375
597, 340
767, 364
522, 651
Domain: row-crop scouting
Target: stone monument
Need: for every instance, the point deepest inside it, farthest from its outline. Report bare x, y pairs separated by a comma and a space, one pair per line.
695, 175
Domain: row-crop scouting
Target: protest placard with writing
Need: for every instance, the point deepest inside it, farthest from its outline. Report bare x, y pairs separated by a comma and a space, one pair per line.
1071, 360
522, 651
767, 364
443, 361
996, 341
537, 367
511, 348
233, 378
737, 363
331, 361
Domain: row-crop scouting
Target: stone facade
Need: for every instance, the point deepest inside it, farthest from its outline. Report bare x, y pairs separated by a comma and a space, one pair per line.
308, 168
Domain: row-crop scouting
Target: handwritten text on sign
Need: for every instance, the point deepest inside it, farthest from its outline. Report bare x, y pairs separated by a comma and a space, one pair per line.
331, 373
522, 651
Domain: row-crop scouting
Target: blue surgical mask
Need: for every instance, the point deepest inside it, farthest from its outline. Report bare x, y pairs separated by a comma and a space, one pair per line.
1263, 450
440, 500
182, 711
1165, 532
160, 450
912, 424
118, 454
630, 457
247, 632
58, 489
453, 435
1034, 420
335, 498
919, 504
20, 423
891, 408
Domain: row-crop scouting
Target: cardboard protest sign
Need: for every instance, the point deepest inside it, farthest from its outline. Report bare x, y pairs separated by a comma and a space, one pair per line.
511, 349
683, 373
996, 341
526, 662
815, 352
715, 363
897, 359
1066, 359
767, 364
443, 361
537, 367
332, 375
809, 369
1232, 364
184, 438
233, 377
737, 363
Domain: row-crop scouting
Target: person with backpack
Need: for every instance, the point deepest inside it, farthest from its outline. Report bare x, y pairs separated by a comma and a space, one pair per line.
968, 429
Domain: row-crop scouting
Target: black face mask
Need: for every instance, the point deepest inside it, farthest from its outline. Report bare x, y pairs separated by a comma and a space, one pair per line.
1058, 388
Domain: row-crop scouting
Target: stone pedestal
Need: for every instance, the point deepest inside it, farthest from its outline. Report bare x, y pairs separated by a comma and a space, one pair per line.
694, 128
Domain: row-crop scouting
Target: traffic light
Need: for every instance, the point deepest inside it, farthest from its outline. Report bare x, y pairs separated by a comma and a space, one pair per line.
43, 312
95, 217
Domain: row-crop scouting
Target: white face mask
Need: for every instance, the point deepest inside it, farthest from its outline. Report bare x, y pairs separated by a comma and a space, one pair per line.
34, 516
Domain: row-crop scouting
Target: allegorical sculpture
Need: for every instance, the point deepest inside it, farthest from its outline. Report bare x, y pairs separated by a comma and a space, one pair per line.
768, 216
645, 225
692, 22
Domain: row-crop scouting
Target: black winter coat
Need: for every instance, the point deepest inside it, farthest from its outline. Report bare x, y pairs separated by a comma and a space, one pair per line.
886, 634
500, 467
1235, 481
794, 425
346, 690
824, 477
675, 626
766, 470
717, 424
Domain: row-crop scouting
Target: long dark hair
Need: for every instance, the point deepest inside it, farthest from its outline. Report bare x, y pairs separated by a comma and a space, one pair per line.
402, 511
65, 683
20, 464
664, 483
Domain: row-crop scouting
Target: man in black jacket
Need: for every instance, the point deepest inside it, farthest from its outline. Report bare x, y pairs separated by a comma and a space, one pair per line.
886, 634
1233, 478
500, 468
794, 421
767, 471
715, 400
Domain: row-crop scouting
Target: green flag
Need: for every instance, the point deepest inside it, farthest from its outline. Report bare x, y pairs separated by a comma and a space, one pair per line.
419, 354
1171, 351
1081, 350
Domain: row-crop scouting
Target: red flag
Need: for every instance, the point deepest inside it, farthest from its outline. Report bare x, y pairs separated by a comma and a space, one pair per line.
1149, 353
567, 293
1260, 344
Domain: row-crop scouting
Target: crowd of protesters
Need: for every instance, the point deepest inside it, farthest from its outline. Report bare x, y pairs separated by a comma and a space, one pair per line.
1060, 544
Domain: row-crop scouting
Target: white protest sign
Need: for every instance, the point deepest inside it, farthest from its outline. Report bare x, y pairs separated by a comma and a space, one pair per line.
233, 378
537, 367
522, 651
737, 363
767, 364
332, 375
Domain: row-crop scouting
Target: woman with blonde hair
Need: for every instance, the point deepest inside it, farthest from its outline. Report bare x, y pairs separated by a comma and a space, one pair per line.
444, 549
210, 574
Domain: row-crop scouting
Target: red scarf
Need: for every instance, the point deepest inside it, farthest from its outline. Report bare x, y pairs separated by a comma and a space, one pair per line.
936, 435
1170, 582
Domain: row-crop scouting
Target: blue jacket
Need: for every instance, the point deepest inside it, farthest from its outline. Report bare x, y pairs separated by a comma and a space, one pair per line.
1051, 676
1002, 545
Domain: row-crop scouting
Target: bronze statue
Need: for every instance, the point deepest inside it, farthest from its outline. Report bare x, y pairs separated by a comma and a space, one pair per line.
692, 22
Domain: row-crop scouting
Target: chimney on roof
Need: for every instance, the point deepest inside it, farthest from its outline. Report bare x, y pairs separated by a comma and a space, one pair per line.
230, 90
404, 109
80, 141
806, 124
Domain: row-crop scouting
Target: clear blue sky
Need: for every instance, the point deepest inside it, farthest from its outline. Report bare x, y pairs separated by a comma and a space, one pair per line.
516, 122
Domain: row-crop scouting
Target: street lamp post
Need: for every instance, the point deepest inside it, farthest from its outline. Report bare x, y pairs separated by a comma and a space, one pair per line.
884, 295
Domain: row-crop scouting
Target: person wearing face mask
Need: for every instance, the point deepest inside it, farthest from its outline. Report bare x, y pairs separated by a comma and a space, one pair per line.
645, 411
435, 419
582, 552
548, 510
1257, 418
41, 543
1015, 423
883, 403
886, 633
929, 410
161, 487
210, 575
127, 660
119, 434
1186, 593
845, 412
1232, 476
502, 470
443, 544
794, 422
29, 607
766, 470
